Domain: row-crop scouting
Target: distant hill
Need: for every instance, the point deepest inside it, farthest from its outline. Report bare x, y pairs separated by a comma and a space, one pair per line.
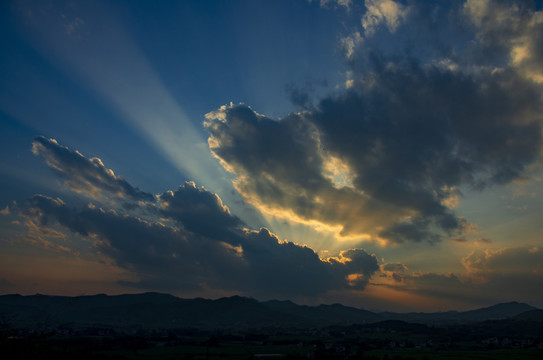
531, 315
494, 312
139, 310
155, 310
324, 314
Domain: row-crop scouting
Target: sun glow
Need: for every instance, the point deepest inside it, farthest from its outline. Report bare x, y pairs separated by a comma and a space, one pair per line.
338, 172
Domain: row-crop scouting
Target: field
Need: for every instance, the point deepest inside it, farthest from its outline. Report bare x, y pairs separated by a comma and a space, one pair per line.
324, 345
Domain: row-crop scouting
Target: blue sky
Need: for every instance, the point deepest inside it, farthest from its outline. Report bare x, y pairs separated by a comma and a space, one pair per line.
382, 154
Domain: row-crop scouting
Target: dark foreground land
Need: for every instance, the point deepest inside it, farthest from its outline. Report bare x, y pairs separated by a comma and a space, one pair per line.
50, 328
384, 340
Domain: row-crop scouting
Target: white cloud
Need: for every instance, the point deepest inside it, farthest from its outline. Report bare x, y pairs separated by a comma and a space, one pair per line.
387, 12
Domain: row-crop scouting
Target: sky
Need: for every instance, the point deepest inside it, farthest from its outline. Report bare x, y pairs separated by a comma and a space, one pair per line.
381, 154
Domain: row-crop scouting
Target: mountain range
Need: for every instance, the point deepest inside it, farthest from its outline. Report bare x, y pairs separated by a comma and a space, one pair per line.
156, 310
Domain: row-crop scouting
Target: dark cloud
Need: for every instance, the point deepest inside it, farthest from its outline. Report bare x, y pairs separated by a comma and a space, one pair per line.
394, 267
281, 168
415, 134
155, 252
511, 30
387, 155
510, 273
300, 268
394, 271
169, 258
410, 231
198, 210
492, 275
83, 175
502, 261
189, 240
299, 97
303, 96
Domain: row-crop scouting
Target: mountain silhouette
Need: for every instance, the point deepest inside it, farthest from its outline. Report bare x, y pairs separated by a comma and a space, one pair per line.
156, 310
496, 312
531, 315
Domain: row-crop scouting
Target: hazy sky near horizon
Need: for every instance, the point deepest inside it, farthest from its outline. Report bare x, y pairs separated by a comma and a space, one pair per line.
382, 154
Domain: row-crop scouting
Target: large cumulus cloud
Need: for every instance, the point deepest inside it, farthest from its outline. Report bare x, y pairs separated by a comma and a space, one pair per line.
388, 156
186, 239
